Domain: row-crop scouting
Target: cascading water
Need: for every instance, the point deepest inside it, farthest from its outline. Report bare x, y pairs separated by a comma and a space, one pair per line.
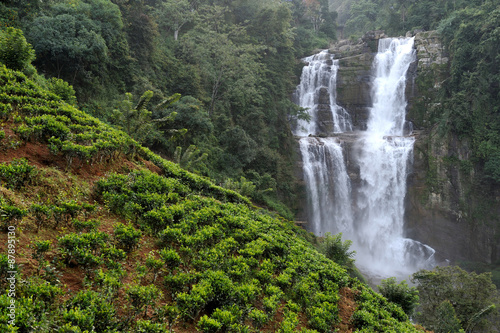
385, 155
328, 185
319, 78
373, 216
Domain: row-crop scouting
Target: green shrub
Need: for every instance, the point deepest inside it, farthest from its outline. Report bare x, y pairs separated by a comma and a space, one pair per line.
400, 294
80, 318
146, 326
258, 317
69, 328
228, 316
24, 132
191, 304
290, 322
170, 257
86, 249
70, 209
323, 316
126, 236
27, 316
39, 249
337, 250
43, 292
209, 325
113, 255
15, 52
271, 304
10, 215
62, 89
169, 314
103, 311
170, 235
87, 225
5, 112
42, 214
18, 173
109, 281
141, 297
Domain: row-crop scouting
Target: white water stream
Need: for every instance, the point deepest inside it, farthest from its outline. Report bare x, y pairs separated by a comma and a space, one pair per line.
373, 216
320, 73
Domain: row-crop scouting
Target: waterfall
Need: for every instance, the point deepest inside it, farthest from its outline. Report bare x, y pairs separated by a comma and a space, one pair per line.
328, 185
329, 188
384, 158
372, 215
317, 92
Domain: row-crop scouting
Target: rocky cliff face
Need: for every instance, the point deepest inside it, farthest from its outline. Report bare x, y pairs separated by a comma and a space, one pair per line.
354, 75
448, 208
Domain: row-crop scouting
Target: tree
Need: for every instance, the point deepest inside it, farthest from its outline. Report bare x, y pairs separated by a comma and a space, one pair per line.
192, 116
363, 15
229, 63
470, 295
137, 120
191, 157
68, 44
448, 321
173, 14
15, 52
313, 12
400, 293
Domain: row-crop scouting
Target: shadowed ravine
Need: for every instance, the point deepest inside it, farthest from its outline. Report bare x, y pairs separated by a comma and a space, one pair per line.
368, 206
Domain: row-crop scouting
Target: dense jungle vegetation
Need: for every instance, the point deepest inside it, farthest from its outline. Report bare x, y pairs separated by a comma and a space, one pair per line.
113, 237
232, 62
470, 97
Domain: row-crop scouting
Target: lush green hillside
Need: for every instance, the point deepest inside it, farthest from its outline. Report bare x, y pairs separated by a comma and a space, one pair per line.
234, 63
112, 238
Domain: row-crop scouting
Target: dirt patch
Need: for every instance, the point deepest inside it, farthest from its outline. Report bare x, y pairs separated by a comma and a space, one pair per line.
347, 306
38, 154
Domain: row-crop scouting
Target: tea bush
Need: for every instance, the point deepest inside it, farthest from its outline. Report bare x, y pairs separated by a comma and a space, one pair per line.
209, 325
102, 311
146, 326
141, 297
17, 173
259, 318
127, 237
10, 215
86, 225
80, 318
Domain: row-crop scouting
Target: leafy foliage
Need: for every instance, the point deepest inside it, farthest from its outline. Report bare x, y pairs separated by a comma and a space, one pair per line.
469, 293
448, 321
231, 60
15, 52
18, 173
337, 250
401, 294
126, 236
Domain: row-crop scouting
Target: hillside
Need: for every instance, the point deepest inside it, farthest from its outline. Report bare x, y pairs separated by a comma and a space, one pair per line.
112, 238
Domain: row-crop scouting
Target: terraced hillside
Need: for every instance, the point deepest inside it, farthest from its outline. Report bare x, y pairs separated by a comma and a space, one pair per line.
110, 237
